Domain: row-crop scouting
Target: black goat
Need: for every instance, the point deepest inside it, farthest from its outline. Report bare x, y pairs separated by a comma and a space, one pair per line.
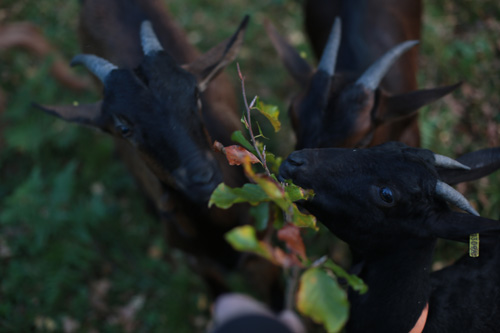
389, 204
162, 102
157, 108
367, 95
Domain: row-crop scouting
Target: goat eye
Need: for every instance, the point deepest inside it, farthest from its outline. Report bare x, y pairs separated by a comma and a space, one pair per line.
124, 130
383, 196
386, 195
121, 126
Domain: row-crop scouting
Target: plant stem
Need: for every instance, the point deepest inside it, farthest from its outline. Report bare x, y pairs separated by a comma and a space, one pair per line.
291, 287
249, 123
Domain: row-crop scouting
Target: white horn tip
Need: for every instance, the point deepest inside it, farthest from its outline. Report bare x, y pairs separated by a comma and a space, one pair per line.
149, 41
454, 197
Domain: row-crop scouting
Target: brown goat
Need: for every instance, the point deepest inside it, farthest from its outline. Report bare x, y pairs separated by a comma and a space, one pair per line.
365, 95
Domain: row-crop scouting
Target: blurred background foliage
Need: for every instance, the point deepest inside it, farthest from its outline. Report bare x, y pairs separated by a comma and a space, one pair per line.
79, 249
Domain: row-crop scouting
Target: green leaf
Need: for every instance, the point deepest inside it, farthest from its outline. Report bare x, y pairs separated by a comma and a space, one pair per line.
271, 112
303, 220
355, 282
238, 137
273, 190
273, 162
261, 215
296, 193
269, 185
245, 239
224, 196
322, 299
278, 219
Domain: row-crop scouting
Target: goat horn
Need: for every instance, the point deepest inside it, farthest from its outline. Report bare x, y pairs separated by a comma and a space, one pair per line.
448, 163
329, 56
375, 73
149, 41
98, 66
452, 196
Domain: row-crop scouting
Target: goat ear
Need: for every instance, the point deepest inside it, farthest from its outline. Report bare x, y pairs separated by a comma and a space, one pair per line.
404, 105
459, 226
481, 163
85, 114
294, 63
210, 64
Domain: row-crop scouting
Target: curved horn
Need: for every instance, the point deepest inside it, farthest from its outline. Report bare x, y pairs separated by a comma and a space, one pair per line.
375, 73
98, 66
448, 163
329, 56
452, 196
149, 41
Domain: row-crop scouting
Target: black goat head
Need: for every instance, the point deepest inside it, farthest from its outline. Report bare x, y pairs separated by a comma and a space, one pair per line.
384, 194
157, 108
338, 110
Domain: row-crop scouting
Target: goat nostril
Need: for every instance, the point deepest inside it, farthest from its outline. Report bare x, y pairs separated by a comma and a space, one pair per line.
296, 160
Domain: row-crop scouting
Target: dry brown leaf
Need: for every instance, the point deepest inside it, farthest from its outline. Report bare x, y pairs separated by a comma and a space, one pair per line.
218, 147
286, 260
290, 234
236, 155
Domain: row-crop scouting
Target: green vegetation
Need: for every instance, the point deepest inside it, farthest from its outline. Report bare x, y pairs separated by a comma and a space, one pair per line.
78, 245
460, 43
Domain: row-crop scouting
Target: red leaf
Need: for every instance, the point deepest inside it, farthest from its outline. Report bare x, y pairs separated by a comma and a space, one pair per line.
237, 155
290, 234
286, 260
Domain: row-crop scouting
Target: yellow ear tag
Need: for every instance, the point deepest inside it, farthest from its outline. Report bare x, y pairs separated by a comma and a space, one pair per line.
474, 245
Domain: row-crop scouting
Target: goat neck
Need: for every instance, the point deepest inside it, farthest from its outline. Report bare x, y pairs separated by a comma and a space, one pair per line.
369, 29
399, 285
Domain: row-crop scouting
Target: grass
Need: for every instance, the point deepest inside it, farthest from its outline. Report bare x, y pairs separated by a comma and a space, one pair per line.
78, 247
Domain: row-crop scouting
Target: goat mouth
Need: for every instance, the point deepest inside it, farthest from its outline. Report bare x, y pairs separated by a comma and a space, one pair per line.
200, 190
197, 193
286, 172
280, 178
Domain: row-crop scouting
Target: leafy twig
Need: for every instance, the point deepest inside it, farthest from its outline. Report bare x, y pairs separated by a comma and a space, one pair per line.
248, 123
288, 215
294, 271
